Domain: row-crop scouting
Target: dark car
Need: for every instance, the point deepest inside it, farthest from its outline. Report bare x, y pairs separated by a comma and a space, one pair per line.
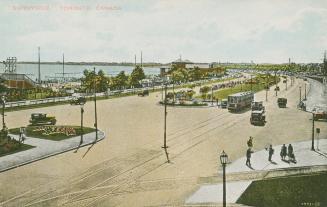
282, 102
42, 119
78, 101
224, 103
143, 93
258, 118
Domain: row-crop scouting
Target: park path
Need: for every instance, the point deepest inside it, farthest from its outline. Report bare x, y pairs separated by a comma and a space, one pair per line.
44, 148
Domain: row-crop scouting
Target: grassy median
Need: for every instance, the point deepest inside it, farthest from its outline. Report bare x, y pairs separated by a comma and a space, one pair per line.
300, 190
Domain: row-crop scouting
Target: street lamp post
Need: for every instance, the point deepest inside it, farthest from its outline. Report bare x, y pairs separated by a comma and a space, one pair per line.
305, 91
165, 126
223, 161
211, 96
313, 132
95, 107
82, 131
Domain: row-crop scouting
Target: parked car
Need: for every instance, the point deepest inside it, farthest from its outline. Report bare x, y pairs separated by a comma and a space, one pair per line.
42, 119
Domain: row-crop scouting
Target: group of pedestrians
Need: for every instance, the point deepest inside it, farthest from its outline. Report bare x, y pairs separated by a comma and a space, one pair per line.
285, 151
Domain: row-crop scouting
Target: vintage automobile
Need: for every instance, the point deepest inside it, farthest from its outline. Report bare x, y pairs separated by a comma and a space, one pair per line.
78, 101
257, 106
143, 93
224, 103
258, 117
42, 119
282, 102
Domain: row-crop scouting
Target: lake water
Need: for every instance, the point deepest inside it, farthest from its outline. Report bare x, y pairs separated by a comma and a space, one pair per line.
50, 71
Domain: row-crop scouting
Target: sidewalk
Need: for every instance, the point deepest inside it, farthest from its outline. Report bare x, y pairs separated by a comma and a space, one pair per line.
44, 148
259, 160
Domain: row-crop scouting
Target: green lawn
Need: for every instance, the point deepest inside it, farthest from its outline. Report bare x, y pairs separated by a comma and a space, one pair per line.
223, 93
256, 87
301, 190
55, 133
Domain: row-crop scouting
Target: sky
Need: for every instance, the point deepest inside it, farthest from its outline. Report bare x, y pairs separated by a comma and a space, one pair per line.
262, 31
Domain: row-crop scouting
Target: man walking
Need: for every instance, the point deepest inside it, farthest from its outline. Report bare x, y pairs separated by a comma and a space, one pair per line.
248, 157
271, 152
283, 152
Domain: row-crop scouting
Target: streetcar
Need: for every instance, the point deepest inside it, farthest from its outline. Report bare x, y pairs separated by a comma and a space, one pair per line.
240, 101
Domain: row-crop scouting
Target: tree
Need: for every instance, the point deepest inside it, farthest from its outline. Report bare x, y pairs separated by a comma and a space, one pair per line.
204, 90
136, 76
2, 85
195, 74
102, 82
120, 81
189, 94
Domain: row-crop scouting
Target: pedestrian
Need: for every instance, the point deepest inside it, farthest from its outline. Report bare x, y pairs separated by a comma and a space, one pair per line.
291, 156
250, 142
283, 152
248, 157
271, 152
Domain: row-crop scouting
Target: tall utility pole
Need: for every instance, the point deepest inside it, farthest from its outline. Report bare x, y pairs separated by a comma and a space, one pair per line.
276, 82
305, 91
165, 125
95, 107
267, 86
300, 94
39, 68
135, 61
211, 96
324, 72
63, 67
141, 60
251, 82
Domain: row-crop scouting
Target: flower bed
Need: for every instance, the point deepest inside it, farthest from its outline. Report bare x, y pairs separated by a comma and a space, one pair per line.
10, 146
184, 103
55, 133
